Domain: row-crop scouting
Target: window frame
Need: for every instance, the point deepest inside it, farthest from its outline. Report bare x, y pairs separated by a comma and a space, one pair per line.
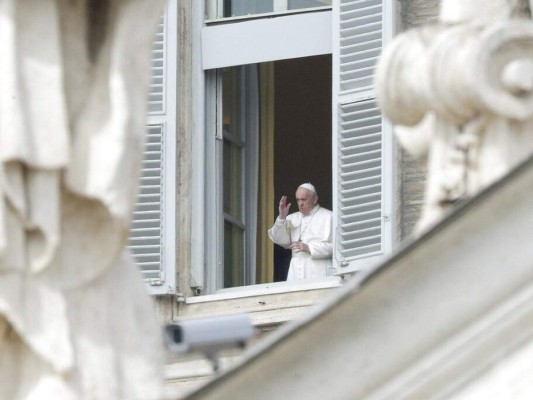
266, 39
206, 237
221, 39
214, 11
214, 177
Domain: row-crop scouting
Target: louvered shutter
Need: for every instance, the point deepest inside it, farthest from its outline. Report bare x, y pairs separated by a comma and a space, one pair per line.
156, 103
145, 240
145, 233
362, 175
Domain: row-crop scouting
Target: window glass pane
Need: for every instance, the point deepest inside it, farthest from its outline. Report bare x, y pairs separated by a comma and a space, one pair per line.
234, 115
232, 103
235, 8
232, 173
233, 255
233, 149
298, 4
240, 8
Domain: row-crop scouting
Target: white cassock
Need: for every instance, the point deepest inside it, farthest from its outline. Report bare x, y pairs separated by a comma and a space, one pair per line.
315, 230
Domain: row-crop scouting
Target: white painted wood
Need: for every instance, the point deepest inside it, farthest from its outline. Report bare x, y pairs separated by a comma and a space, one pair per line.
269, 288
153, 243
145, 230
158, 84
270, 39
434, 317
170, 156
200, 123
362, 150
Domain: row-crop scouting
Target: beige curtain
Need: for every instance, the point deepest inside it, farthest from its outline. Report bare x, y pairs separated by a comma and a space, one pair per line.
265, 248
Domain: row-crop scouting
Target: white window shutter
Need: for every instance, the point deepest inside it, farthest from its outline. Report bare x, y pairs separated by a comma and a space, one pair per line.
362, 140
152, 229
145, 233
360, 42
156, 98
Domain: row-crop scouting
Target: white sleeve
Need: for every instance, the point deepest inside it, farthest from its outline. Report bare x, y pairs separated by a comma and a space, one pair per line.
323, 249
279, 233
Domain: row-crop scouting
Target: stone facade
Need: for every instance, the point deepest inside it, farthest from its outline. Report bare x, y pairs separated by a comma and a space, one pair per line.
412, 172
270, 310
410, 176
418, 12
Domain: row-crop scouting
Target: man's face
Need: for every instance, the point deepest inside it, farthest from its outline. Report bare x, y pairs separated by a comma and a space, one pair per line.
306, 200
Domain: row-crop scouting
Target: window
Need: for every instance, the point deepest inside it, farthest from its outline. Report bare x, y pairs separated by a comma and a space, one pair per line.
261, 88
273, 132
152, 230
218, 9
239, 183
359, 159
229, 52
234, 163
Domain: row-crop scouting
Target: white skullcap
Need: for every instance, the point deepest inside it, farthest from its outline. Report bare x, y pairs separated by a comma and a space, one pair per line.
308, 186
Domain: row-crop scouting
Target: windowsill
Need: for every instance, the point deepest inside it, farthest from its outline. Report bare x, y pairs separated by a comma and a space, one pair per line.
267, 289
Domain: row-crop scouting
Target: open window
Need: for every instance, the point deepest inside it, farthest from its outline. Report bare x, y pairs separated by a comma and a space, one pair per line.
288, 100
273, 132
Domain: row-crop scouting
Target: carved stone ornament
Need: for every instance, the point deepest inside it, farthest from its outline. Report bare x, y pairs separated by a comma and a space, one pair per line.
460, 93
75, 321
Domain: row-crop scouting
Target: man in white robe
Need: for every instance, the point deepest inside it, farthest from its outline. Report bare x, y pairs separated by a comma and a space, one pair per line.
308, 233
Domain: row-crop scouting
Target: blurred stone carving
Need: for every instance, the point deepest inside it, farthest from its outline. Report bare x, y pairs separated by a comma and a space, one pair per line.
75, 321
460, 93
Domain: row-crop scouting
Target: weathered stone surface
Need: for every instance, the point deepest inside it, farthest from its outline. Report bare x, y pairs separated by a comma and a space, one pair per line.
75, 319
412, 171
460, 93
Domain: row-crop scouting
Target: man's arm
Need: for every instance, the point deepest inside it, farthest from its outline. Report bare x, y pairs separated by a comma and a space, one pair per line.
321, 250
283, 208
279, 233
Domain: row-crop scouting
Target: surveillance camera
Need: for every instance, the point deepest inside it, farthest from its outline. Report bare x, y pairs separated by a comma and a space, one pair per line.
210, 335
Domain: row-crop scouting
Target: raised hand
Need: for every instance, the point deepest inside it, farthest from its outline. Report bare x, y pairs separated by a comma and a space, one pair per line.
284, 207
